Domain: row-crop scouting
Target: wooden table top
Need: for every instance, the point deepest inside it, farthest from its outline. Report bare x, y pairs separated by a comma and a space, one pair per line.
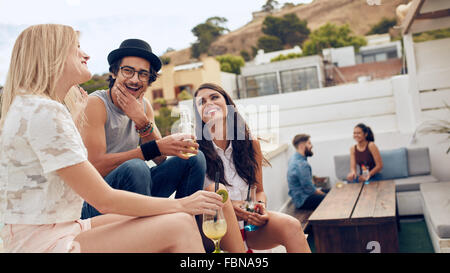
357, 202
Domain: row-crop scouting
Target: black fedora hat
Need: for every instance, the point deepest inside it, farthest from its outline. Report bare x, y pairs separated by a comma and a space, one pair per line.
138, 48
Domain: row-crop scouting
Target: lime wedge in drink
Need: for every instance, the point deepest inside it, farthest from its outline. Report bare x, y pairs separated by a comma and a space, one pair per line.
224, 194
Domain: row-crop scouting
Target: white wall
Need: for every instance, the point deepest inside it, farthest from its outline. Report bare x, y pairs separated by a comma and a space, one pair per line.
275, 183
343, 56
229, 83
326, 113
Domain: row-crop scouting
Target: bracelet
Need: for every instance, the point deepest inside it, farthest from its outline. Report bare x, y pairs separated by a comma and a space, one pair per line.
150, 150
145, 129
144, 132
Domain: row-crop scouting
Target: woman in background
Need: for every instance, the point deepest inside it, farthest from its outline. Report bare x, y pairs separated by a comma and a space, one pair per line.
366, 153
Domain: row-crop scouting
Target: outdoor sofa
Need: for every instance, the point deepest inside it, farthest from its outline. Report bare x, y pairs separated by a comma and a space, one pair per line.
436, 210
408, 167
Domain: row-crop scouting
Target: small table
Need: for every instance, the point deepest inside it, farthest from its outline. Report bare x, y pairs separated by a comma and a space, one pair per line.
357, 218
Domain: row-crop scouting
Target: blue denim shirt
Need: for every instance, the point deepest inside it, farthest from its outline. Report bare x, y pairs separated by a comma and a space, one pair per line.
299, 178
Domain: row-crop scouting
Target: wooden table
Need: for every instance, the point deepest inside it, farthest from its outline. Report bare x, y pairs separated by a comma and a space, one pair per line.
357, 218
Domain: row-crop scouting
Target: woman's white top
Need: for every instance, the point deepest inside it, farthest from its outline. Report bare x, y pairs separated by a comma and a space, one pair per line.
238, 189
38, 138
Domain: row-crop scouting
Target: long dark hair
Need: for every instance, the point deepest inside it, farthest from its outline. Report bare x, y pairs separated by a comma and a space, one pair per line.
244, 155
366, 130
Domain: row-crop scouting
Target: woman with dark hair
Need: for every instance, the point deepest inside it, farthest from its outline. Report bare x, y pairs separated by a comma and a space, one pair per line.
234, 158
364, 153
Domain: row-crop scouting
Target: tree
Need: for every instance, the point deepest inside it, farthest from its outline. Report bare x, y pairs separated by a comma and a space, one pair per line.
165, 60
289, 29
230, 63
270, 43
97, 82
431, 35
184, 95
282, 57
330, 35
245, 55
164, 119
383, 26
207, 33
288, 5
270, 5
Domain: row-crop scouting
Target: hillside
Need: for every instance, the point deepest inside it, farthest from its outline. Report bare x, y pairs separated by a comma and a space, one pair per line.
357, 13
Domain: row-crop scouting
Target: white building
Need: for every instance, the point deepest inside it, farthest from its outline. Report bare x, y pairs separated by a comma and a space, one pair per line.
379, 48
264, 58
281, 77
343, 56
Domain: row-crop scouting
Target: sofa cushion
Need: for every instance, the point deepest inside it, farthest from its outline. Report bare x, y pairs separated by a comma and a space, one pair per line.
341, 166
412, 183
418, 161
395, 164
436, 199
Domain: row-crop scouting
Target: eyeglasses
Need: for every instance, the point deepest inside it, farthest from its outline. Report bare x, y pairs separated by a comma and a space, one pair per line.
128, 72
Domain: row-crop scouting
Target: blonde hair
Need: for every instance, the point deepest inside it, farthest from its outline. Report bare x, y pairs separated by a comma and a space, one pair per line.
37, 62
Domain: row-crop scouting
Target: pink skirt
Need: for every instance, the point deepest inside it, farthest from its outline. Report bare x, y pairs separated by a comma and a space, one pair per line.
56, 238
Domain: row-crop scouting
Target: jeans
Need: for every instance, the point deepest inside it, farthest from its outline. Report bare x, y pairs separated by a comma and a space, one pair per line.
185, 176
313, 201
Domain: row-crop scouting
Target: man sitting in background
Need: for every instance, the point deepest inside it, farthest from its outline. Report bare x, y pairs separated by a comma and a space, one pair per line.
302, 190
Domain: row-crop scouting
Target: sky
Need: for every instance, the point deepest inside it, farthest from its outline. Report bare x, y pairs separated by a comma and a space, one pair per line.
104, 24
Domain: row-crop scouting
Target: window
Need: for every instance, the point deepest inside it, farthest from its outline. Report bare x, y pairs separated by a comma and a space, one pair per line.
299, 79
261, 85
188, 87
381, 57
392, 54
368, 58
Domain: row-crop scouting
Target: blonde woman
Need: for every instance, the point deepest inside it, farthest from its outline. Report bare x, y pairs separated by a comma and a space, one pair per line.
45, 175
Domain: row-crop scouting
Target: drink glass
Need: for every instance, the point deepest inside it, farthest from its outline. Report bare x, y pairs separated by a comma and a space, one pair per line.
215, 227
250, 206
365, 174
187, 127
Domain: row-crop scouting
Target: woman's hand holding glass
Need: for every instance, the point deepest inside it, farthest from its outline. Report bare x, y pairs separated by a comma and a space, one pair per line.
202, 202
239, 209
259, 217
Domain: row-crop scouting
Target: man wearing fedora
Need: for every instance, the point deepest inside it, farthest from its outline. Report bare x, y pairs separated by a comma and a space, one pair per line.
120, 133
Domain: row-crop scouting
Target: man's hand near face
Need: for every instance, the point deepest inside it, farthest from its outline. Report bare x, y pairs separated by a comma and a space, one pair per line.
130, 105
